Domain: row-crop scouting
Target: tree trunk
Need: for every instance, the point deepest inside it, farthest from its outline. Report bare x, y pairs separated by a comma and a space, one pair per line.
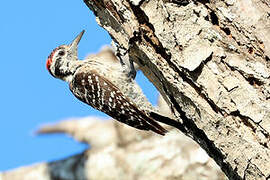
209, 60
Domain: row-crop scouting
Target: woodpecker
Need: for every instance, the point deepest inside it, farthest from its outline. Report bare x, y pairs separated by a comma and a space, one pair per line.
104, 86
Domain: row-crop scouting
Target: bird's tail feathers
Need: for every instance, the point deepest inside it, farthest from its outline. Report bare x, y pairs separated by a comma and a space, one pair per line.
154, 126
167, 121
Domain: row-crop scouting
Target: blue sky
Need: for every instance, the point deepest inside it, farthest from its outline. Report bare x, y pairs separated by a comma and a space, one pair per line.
29, 96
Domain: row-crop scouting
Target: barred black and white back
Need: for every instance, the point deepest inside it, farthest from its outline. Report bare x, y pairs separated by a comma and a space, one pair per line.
101, 94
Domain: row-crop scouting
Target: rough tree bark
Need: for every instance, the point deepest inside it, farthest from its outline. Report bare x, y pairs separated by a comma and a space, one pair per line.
210, 61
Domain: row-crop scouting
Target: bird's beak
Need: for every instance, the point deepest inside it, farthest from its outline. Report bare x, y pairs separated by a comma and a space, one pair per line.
74, 44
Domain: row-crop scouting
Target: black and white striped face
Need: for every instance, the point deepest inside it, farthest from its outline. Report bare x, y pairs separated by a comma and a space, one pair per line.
56, 60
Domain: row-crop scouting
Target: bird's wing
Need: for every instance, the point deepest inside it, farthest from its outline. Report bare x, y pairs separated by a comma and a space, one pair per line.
98, 92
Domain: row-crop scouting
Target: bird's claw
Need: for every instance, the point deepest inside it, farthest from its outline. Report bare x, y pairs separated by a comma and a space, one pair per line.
122, 52
132, 71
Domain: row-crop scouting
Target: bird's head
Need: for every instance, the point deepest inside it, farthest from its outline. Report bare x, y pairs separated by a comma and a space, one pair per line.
60, 60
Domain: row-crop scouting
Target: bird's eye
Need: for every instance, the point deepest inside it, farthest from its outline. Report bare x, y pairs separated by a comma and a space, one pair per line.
61, 53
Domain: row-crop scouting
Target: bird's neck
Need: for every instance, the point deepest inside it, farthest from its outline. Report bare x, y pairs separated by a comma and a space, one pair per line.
68, 68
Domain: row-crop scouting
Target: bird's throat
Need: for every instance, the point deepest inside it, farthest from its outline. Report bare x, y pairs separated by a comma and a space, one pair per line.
66, 69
